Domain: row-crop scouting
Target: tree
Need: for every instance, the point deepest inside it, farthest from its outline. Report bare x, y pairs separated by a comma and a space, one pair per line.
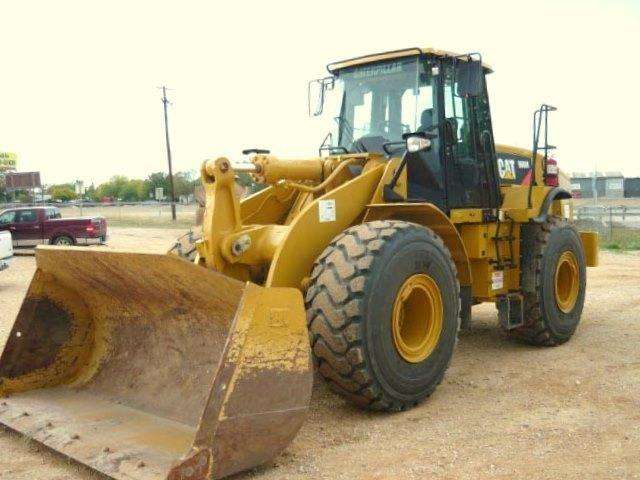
90, 192
133, 191
62, 192
156, 180
4, 196
114, 188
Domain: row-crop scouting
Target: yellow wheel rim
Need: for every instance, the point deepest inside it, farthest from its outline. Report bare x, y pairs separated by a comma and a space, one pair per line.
417, 318
567, 281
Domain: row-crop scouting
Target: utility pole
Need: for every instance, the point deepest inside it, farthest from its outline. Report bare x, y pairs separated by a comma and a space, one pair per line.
165, 102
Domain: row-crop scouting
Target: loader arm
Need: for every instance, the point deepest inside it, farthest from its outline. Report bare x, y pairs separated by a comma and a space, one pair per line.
256, 239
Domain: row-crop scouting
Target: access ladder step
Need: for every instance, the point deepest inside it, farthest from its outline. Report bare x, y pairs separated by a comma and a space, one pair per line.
511, 310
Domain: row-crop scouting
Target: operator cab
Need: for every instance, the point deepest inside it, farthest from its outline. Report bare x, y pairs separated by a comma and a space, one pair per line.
378, 99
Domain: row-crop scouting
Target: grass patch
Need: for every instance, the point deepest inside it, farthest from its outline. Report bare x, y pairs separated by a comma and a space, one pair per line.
620, 239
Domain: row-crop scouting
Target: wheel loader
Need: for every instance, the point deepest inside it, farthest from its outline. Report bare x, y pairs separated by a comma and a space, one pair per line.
362, 262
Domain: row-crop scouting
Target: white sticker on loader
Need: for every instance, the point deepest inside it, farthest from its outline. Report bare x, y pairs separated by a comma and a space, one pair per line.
327, 211
497, 280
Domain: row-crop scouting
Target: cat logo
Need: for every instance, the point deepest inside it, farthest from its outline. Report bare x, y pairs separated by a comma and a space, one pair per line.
507, 168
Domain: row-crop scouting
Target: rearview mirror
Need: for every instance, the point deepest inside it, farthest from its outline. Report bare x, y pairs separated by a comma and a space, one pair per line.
316, 92
469, 77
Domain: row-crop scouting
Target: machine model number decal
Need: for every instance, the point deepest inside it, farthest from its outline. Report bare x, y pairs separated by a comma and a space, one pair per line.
497, 280
327, 211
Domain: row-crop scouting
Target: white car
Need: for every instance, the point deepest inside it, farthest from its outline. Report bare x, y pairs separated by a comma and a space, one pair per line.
6, 249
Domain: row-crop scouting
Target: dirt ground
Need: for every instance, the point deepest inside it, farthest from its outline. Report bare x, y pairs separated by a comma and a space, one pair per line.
503, 411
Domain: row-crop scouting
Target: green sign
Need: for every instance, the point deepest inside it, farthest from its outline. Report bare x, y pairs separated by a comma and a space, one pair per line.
8, 162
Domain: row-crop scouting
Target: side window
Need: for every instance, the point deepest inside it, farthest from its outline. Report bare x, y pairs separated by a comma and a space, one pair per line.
465, 168
7, 217
417, 111
52, 213
453, 108
456, 111
26, 216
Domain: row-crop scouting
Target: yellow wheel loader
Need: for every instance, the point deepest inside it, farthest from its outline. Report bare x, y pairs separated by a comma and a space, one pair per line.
363, 261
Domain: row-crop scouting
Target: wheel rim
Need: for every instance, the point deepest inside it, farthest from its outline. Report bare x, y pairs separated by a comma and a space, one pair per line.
567, 281
417, 318
63, 241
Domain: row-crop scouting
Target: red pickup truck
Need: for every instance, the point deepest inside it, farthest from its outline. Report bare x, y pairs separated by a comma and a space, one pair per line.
30, 226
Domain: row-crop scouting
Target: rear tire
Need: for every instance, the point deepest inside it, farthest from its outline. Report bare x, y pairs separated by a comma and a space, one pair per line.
63, 240
351, 312
553, 281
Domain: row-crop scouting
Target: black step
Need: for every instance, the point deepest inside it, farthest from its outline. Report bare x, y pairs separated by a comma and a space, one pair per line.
511, 310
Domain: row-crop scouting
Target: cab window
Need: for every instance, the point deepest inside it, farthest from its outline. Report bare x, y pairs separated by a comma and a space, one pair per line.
7, 217
52, 213
26, 216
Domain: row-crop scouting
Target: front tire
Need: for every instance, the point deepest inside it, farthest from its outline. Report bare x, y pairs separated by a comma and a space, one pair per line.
383, 313
554, 281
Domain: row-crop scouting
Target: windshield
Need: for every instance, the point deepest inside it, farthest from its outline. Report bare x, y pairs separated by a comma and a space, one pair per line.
380, 102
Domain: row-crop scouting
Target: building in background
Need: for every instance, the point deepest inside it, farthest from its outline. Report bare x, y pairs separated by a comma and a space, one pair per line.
608, 185
632, 187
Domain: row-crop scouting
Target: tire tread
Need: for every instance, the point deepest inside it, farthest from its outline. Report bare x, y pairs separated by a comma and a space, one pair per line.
334, 302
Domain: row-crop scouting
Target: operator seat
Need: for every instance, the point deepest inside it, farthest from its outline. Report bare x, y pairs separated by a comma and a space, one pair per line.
426, 120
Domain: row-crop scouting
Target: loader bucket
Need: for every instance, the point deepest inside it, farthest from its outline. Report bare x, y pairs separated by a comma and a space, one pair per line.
145, 366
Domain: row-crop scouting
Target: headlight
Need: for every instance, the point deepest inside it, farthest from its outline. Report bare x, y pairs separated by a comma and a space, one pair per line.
417, 144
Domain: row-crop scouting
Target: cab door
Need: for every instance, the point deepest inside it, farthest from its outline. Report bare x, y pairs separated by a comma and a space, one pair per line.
27, 228
469, 149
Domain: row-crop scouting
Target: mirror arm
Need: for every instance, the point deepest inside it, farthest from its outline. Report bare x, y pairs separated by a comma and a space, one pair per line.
388, 193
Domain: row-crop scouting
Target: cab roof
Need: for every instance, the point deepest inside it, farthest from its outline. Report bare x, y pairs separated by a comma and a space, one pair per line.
406, 52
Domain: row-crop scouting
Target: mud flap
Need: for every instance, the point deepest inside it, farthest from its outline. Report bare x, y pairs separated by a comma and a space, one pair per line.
143, 366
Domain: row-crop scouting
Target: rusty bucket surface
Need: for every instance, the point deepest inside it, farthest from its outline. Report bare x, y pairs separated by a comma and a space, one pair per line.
145, 366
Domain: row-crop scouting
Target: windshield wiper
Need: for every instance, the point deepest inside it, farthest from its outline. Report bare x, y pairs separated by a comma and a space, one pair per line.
343, 121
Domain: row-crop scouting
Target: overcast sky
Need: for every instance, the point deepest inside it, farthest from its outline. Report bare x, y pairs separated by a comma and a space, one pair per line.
78, 95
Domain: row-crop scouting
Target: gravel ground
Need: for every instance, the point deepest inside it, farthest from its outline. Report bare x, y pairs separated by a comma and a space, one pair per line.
503, 411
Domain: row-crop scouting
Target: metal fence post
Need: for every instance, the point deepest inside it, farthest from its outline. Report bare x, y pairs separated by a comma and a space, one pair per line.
610, 223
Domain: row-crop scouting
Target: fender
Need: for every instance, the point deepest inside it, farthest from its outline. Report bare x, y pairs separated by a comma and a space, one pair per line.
557, 193
430, 216
314, 228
